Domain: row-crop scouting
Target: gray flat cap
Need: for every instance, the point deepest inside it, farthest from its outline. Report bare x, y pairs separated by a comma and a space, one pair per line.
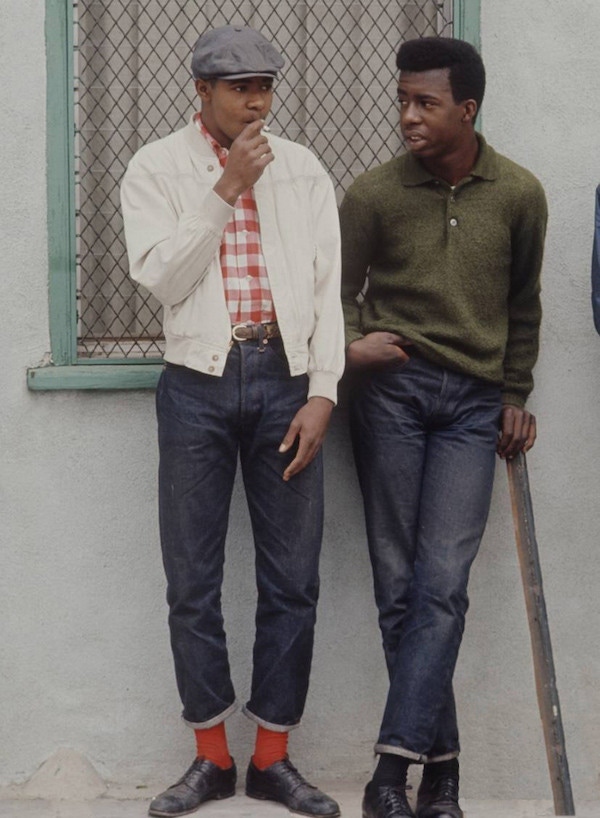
235, 52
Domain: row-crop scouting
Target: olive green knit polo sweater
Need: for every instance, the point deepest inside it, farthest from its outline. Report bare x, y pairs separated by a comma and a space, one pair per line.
454, 270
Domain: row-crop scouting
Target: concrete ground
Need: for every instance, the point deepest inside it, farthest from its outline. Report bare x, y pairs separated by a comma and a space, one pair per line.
348, 795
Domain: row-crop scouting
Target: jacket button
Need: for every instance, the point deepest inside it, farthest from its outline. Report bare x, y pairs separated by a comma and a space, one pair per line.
211, 369
215, 357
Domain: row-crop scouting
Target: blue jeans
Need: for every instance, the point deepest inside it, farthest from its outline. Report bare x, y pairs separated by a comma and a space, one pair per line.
424, 441
204, 424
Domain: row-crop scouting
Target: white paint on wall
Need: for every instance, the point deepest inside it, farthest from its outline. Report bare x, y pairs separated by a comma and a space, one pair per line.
85, 658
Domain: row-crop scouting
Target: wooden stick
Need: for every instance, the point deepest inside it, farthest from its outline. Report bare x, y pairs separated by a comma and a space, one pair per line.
543, 662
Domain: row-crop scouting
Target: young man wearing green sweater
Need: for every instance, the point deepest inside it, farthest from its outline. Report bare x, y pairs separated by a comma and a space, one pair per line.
442, 250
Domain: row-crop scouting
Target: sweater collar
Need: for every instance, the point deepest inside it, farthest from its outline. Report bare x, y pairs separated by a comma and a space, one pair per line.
486, 167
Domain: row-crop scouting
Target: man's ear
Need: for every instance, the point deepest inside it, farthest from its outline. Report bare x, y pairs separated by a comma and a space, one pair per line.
470, 110
203, 89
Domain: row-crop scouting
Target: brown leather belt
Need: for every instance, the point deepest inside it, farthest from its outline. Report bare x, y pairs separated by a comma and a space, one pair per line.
255, 332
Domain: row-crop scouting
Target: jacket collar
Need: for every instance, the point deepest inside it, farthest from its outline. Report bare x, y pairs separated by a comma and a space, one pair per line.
196, 141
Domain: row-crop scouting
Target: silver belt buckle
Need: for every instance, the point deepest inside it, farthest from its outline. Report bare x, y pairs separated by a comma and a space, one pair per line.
237, 327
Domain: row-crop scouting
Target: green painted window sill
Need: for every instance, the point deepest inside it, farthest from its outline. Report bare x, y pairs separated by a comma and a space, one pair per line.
94, 376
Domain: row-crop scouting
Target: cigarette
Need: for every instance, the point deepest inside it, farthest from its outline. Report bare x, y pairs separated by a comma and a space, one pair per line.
265, 129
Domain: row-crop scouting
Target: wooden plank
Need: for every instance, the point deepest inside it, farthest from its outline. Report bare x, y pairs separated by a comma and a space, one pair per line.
539, 630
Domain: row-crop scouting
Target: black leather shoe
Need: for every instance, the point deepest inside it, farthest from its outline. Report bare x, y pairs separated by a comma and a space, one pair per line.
283, 783
204, 781
439, 798
386, 802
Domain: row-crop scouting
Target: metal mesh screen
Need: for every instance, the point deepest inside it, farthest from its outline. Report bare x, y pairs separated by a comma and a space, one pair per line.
132, 85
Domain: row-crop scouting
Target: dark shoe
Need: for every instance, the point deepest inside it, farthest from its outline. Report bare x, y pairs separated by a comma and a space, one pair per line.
203, 781
386, 802
283, 783
439, 798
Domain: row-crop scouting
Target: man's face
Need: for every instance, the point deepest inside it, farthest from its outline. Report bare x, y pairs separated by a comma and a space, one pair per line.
433, 125
229, 105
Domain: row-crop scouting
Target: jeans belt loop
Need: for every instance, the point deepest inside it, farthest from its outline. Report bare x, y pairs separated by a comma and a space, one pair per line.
262, 341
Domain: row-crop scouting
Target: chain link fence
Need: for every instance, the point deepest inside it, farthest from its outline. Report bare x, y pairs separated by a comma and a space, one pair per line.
336, 95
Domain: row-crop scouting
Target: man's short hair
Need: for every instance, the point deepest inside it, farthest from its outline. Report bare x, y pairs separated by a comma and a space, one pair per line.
467, 73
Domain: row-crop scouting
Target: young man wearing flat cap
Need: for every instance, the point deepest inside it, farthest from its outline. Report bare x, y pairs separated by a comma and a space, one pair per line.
236, 233
450, 236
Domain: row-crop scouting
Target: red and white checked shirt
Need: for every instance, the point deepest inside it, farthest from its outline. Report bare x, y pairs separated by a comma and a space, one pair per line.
245, 279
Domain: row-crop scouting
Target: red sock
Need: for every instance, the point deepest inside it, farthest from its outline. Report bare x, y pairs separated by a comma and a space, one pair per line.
212, 745
271, 746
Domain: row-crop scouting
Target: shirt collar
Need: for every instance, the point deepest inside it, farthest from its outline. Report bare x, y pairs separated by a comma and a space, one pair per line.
221, 152
486, 167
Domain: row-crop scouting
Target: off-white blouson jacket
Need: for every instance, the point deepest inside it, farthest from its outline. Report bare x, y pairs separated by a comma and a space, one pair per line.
174, 223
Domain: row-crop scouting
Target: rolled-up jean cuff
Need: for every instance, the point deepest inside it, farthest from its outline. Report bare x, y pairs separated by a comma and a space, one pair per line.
400, 751
276, 728
445, 757
205, 725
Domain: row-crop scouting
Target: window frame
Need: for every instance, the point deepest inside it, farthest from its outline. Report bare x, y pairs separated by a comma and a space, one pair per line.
65, 370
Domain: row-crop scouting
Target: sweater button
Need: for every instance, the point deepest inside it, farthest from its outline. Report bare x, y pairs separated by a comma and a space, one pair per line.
453, 222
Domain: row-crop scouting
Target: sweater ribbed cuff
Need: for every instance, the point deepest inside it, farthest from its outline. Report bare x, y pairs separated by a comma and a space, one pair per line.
513, 399
352, 335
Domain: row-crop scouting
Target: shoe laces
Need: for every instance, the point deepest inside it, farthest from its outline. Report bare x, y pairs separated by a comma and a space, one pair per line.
446, 788
393, 799
295, 778
196, 767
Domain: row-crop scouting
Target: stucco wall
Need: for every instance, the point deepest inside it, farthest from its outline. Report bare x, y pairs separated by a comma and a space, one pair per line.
85, 660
